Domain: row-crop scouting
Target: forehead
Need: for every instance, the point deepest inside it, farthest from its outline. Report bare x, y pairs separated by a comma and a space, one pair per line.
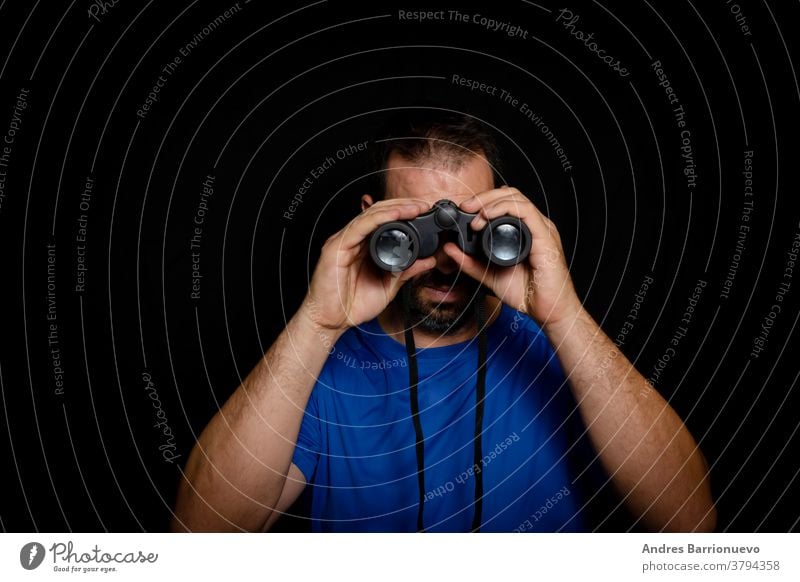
433, 180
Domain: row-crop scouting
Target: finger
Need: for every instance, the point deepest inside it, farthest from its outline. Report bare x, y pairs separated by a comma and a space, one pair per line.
363, 225
469, 265
418, 267
540, 227
484, 215
400, 203
481, 199
396, 202
490, 198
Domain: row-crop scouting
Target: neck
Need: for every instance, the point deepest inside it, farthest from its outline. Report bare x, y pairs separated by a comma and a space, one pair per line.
393, 323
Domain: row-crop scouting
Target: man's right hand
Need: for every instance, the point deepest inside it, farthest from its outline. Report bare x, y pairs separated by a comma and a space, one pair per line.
346, 288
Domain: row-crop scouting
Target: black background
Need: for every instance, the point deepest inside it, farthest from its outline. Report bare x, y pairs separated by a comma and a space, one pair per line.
265, 98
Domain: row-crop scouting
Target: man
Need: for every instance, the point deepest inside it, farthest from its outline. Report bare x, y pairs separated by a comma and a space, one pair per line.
408, 413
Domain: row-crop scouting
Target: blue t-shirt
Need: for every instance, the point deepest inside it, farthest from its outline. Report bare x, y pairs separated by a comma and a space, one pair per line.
356, 443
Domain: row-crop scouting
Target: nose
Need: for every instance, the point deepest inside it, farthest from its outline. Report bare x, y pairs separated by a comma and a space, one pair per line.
444, 263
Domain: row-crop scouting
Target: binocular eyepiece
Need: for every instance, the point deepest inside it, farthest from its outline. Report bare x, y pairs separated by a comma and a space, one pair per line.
395, 246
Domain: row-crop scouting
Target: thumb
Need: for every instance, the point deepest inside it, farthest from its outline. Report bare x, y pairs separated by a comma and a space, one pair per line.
469, 265
419, 266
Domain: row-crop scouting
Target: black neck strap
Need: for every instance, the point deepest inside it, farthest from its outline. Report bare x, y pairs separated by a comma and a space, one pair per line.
480, 397
413, 381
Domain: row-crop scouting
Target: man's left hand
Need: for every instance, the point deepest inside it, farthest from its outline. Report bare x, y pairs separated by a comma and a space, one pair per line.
540, 286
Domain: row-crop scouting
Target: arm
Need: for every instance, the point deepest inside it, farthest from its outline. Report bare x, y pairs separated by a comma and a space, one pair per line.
294, 486
236, 475
653, 459
643, 444
237, 470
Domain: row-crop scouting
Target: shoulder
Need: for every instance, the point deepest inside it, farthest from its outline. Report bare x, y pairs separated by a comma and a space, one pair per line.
518, 328
523, 346
361, 361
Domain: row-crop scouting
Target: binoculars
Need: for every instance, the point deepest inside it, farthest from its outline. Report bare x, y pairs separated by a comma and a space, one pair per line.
395, 246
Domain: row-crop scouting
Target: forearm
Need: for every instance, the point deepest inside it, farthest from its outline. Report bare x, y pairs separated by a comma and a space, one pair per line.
653, 459
237, 469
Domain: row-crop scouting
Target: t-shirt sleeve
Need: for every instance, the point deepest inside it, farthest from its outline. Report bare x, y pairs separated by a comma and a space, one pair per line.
564, 407
309, 440
591, 480
552, 374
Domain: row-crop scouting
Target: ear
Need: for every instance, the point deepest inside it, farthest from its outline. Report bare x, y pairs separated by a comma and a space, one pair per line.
366, 201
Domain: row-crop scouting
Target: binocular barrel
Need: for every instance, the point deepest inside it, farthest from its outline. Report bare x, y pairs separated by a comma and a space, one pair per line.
395, 246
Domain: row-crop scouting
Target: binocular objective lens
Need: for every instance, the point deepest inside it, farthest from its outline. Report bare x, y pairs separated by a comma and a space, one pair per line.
506, 242
394, 248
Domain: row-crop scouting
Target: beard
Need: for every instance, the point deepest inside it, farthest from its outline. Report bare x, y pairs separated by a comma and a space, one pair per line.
445, 317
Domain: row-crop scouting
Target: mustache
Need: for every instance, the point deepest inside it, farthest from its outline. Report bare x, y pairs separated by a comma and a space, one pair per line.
436, 278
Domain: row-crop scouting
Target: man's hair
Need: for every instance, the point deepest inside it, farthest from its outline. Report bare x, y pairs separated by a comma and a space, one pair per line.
433, 135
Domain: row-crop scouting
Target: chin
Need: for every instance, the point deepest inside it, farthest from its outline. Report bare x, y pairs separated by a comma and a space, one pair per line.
441, 304
441, 318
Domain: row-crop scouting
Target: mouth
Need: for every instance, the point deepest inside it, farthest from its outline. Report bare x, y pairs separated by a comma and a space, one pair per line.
440, 303
444, 293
